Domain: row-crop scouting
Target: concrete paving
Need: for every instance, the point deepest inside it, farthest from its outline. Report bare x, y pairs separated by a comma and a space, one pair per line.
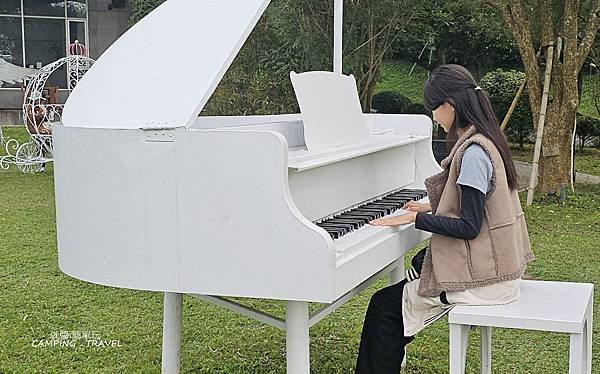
524, 172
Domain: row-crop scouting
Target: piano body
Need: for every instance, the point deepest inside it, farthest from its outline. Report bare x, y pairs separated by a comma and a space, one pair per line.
150, 196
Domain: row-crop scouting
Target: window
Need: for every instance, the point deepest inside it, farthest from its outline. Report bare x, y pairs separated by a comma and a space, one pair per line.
10, 7
76, 31
51, 8
76, 8
45, 43
117, 4
34, 33
11, 43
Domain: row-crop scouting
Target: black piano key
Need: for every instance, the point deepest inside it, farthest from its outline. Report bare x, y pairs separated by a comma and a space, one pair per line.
368, 216
398, 204
398, 198
374, 213
354, 219
418, 193
377, 205
355, 224
358, 218
333, 234
342, 227
387, 208
336, 234
406, 194
395, 203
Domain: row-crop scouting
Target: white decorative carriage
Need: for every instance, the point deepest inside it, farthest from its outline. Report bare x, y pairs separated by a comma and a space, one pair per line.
39, 112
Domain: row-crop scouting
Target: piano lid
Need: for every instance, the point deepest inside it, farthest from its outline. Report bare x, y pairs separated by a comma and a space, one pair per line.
163, 70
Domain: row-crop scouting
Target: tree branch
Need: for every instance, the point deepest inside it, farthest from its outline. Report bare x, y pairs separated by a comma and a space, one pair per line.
592, 24
520, 26
569, 35
547, 35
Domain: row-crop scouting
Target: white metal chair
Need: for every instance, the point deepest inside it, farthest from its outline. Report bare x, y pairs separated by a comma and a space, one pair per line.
545, 306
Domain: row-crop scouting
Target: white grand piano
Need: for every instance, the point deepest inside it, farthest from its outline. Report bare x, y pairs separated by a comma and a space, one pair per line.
150, 196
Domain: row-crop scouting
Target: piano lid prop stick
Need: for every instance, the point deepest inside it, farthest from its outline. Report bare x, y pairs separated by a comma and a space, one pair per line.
338, 36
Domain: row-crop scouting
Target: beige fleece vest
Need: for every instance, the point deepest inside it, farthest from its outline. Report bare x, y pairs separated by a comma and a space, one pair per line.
499, 253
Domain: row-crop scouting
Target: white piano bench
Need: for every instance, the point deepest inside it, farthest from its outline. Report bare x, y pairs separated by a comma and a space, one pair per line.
544, 306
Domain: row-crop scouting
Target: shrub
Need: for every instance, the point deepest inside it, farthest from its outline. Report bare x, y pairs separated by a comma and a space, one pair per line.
587, 128
389, 102
502, 86
141, 8
416, 108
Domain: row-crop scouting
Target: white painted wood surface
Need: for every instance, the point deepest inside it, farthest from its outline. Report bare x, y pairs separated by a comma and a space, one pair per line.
338, 35
545, 306
237, 217
297, 337
330, 109
174, 210
163, 70
171, 343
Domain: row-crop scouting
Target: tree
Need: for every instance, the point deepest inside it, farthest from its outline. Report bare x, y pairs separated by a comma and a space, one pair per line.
467, 32
371, 28
501, 86
537, 24
141, 8
298, 35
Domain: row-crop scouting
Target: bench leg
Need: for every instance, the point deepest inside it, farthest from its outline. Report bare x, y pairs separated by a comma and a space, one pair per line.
459, 339
576, 353
580, 347
486, 349
588, 331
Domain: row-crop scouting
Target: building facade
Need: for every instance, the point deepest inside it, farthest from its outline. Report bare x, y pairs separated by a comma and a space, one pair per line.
34, 33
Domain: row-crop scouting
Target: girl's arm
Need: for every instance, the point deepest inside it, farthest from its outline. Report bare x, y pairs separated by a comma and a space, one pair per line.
467, 226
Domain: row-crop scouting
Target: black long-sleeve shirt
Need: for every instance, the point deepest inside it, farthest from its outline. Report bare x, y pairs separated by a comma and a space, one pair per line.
472, 204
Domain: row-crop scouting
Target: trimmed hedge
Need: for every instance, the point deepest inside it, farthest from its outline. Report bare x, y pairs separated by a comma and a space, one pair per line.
389, 102
416, 108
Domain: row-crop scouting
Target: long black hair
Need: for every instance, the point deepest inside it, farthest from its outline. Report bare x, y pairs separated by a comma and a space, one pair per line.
453, 84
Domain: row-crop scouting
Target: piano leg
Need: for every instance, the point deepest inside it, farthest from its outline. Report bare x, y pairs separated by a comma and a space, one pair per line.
397, 274
171, 346
297, 337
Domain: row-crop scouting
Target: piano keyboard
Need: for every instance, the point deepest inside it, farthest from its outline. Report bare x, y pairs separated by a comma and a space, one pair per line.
351, 220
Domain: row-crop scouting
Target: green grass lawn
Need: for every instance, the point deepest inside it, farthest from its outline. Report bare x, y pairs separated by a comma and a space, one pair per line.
395, 77
37, 300
19, 133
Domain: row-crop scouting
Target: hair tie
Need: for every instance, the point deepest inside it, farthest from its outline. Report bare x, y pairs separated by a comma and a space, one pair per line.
477, 88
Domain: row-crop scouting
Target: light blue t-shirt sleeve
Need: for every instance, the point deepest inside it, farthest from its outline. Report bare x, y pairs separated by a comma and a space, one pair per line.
476, 169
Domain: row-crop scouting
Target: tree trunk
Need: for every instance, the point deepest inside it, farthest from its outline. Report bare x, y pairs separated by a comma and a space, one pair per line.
440, 55
555, 160
521, 142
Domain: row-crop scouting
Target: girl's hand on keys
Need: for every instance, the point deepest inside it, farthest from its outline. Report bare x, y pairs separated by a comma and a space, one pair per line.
402, 219
413, 206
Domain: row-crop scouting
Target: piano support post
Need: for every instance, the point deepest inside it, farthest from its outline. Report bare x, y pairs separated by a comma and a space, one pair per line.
171, 346
297, 337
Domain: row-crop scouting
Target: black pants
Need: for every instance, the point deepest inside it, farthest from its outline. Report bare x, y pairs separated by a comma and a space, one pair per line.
382, 341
